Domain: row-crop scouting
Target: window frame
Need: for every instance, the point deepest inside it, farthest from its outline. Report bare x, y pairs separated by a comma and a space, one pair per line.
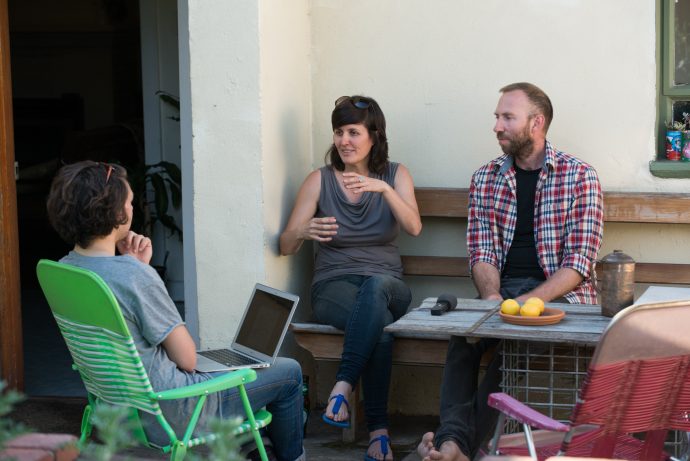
668, 92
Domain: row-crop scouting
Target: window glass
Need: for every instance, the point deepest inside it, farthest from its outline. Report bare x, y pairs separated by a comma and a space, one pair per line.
680, 109
682, 42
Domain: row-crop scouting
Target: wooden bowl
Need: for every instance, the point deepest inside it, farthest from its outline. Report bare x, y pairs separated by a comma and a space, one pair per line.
550, 316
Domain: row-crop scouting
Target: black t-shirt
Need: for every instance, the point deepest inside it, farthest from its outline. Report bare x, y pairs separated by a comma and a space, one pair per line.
522, 260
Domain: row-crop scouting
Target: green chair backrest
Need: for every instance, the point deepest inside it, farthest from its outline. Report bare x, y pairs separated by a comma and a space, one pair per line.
97, 336
104, 353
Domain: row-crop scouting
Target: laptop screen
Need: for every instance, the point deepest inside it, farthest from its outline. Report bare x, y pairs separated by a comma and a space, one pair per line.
265, 321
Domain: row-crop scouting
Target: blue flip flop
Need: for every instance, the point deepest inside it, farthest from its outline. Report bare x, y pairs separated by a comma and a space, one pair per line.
339, 400
384, 440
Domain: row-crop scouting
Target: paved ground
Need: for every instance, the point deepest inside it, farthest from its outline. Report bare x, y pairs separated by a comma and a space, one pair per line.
323, 442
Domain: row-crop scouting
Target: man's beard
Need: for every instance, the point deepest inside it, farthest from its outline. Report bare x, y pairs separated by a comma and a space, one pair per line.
519, 146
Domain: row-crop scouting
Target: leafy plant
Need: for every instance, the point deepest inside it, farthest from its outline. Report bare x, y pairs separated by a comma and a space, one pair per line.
8, 428
675, 126
165, 180
679, 125
115, 430
172, 101
226, 446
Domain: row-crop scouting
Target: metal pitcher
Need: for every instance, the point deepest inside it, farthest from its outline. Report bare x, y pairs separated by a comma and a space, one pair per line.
616, 284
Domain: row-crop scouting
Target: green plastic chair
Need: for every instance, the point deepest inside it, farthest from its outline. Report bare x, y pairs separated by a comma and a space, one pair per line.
104, 354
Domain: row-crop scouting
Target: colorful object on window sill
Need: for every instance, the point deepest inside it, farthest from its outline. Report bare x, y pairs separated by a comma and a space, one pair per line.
673, 145
686, 146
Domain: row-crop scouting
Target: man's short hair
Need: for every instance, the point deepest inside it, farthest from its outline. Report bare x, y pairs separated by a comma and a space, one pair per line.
537, 97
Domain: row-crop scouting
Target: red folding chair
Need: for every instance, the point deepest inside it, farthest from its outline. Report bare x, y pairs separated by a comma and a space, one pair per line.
637, 388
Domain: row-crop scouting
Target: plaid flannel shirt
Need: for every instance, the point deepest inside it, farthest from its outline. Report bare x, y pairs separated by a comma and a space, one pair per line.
568, 217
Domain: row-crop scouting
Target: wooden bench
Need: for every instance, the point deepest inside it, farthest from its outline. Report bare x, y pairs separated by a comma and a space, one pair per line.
622, 207
325, 342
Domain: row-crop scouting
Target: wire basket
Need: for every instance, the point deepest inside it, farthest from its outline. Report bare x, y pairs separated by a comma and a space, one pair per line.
548, 376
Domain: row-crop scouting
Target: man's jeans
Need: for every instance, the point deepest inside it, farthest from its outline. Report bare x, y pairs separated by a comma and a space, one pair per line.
279, 389
362, 306
466, 418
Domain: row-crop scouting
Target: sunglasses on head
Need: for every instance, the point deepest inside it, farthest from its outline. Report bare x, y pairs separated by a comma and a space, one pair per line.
360, 102
108, 171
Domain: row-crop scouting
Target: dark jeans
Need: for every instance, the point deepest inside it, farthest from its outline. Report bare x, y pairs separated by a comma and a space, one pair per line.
279, 389
466, 418
362, 306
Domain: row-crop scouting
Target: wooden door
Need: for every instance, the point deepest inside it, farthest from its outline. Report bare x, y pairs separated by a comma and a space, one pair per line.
11, 353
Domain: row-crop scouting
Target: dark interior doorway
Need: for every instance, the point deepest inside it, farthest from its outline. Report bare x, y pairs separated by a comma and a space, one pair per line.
76, 86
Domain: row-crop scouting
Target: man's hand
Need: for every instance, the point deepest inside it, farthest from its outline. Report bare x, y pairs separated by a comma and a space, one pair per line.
136, 245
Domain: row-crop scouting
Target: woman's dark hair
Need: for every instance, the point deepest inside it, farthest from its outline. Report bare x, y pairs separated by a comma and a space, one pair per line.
87, 201
361, 109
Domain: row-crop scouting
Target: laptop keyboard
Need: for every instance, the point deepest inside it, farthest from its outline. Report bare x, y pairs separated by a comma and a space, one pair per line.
228, 357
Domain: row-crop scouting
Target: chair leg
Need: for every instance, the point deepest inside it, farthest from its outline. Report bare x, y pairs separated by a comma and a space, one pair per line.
85, 426
178, 452
493, 444
252, 422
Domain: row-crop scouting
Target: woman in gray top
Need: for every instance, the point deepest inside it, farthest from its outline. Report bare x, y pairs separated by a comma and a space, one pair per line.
353, 208
90, 206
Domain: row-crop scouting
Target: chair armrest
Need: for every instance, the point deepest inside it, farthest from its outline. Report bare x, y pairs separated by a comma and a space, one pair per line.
220, 383
524, 414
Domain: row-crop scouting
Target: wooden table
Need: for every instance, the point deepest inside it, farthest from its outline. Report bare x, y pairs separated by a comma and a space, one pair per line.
473, 318
542, 366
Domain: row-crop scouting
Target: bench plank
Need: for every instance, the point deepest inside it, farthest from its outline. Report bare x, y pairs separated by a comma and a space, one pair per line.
647, 207
447, 266
442, 202
326, 343
632, 207
444, 266
662, 273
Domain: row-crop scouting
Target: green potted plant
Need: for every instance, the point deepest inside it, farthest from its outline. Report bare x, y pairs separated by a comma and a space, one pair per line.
165, 180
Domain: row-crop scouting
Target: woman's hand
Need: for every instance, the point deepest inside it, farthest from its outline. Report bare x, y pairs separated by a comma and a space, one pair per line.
136, 245
302, 223
358, 183
319, 229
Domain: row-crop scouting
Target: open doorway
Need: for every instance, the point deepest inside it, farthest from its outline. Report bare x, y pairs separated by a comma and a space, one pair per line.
77, 94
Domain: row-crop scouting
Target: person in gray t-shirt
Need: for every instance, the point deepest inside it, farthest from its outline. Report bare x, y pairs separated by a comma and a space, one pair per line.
90, 206
353, 208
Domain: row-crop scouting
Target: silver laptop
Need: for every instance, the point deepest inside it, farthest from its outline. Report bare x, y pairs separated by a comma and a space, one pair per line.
259, 336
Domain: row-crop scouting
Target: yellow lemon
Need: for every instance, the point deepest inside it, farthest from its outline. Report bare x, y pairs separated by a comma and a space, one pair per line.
510, 307
529, 310
538, 302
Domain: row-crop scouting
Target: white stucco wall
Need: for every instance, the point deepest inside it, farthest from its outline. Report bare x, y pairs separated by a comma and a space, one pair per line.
286, 134
258, 81
436, 69
248, 97
260, 71
226, 246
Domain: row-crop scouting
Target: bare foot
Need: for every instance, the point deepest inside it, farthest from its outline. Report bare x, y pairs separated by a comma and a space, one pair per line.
375, 449
344, 388
449, 450
426, 445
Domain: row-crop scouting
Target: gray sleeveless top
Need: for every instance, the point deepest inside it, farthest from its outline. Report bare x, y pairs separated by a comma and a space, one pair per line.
365, 243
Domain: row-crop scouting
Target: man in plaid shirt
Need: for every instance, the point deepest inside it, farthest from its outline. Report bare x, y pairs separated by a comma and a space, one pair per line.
534, 228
